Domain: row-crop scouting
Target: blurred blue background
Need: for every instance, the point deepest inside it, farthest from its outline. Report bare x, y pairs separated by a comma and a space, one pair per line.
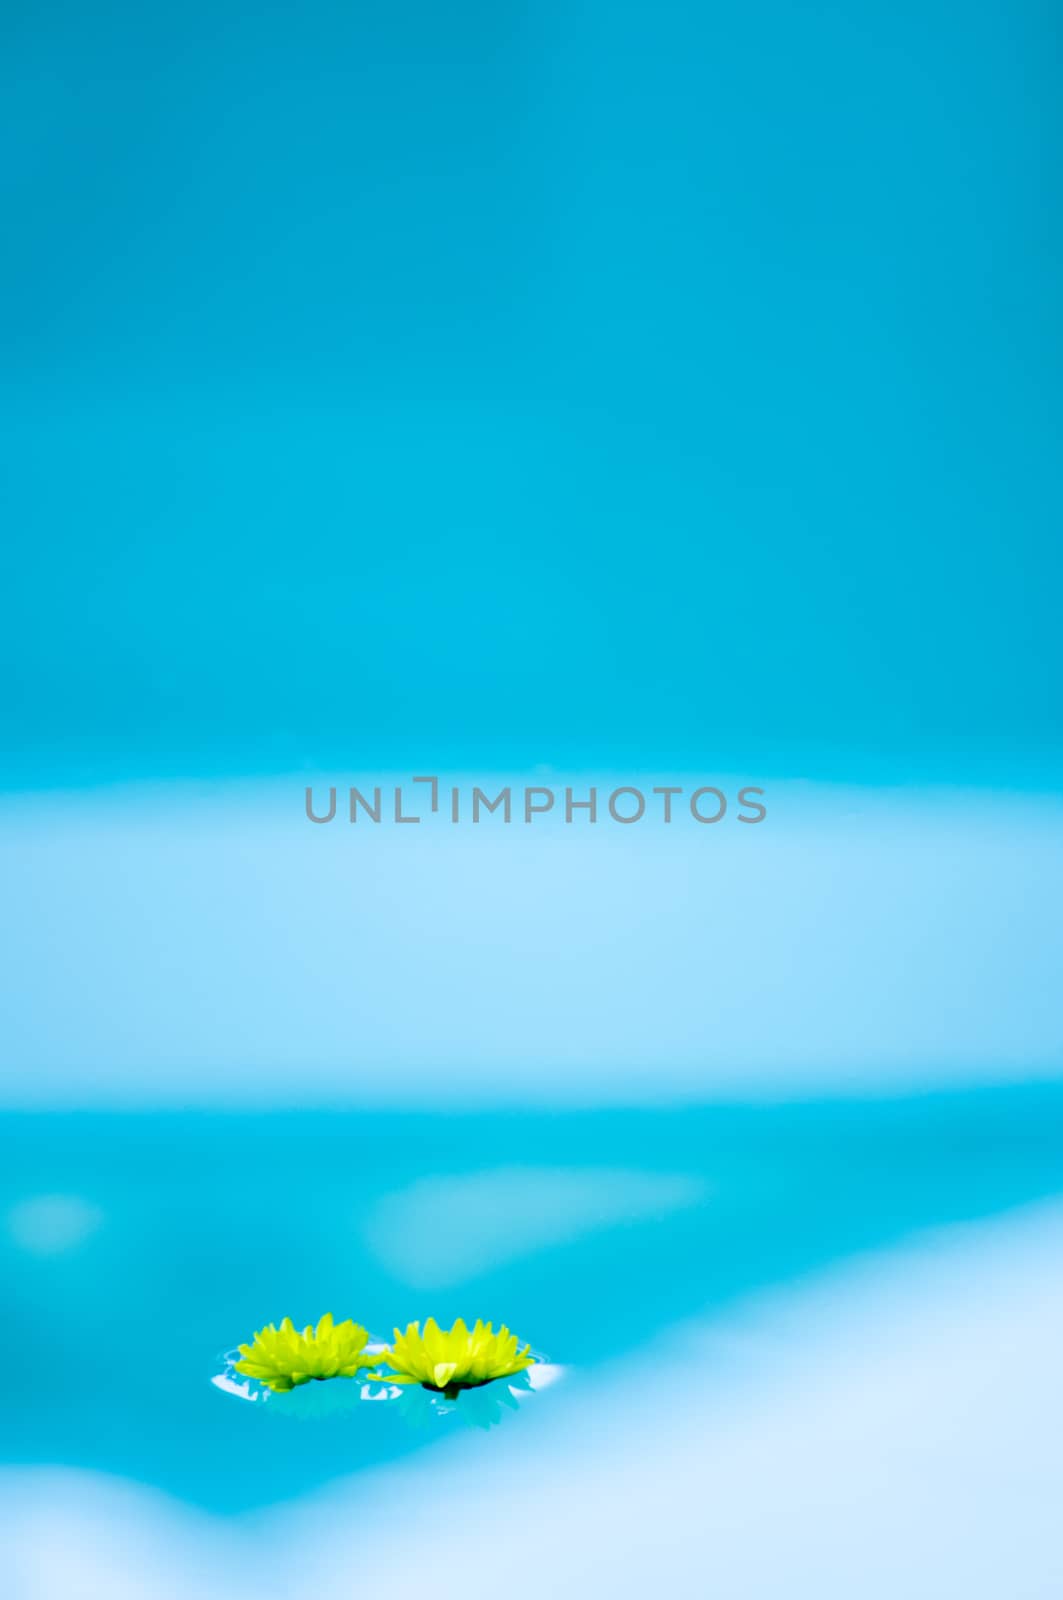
553, 394
154, 1243
494, 385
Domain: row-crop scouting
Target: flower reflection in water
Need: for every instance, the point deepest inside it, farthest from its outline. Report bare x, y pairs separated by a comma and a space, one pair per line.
421, 1409
482, 1407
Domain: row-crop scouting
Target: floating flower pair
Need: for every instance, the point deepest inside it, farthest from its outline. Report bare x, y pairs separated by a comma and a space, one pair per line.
444, 1361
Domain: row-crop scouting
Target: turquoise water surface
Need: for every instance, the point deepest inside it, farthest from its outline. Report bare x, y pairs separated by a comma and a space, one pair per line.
178, 1235
558, 394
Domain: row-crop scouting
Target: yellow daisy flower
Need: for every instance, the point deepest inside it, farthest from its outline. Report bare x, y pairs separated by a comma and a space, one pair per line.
283, 1358
450, 1362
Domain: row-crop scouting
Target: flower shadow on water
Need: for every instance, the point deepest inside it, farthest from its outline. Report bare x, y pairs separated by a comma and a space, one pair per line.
483, 1407
416, 1407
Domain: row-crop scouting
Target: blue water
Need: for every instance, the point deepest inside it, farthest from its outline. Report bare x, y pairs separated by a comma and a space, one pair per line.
207, 1226
497, 385
664, 391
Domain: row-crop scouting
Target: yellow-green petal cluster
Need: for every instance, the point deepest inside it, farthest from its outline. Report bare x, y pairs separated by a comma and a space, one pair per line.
283, 1358
454, 1360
